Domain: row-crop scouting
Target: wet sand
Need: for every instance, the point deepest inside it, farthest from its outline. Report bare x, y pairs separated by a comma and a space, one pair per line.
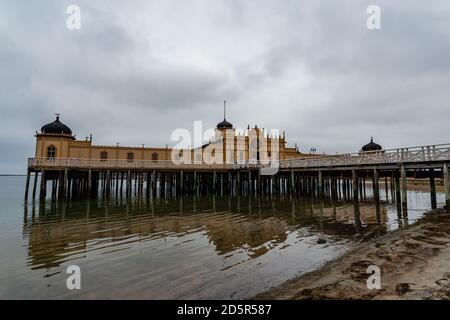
414, 263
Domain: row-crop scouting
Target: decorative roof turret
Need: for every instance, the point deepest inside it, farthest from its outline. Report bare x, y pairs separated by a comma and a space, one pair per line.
371, 146
56, 127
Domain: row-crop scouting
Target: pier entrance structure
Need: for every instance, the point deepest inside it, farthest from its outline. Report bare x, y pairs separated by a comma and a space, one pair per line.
67, 168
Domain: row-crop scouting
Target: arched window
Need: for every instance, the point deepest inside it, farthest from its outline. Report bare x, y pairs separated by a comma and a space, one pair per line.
154, 156
103, 155
51, 152
130, 156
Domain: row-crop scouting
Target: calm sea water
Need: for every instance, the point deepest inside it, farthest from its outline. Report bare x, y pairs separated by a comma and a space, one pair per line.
175, 248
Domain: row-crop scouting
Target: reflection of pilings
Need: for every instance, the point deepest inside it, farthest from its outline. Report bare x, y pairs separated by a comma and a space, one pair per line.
43, 190
325, 185
447, 186
54, 185
364, 189
362, 183
154, 184
344, 188
392, 187
398, 196
404, 189
334, 189
27, 184
376, 194
432, 189
320, 185
195, 183
181, 183
135, 176
60, 185
128, 185
121, 185
249, 182
108, 184
117, 177
292, 182
35, 184
65, 183
355, 198
386, 189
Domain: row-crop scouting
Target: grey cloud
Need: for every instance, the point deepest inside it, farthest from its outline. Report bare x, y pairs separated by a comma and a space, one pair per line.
136, 71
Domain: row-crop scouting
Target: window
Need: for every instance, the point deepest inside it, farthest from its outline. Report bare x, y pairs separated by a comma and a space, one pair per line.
103, 155
154, 156
130, 156
51, 153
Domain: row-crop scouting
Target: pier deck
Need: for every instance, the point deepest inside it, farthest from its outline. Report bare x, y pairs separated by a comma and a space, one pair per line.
341, 174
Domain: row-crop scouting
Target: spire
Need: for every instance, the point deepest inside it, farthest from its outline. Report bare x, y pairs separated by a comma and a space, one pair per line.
57, 115
224, 124
224, 109
371, 139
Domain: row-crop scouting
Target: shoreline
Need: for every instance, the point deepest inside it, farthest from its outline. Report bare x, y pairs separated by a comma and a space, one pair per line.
414, 263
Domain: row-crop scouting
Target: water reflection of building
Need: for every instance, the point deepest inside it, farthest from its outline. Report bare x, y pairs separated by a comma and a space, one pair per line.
59, 232
345, 212
55, 235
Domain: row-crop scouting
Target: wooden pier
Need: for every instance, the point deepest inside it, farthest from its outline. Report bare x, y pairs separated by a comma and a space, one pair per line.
344, 176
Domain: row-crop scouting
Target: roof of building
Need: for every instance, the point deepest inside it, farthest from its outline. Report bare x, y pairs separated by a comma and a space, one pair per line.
371, 146
224, 125
56, 127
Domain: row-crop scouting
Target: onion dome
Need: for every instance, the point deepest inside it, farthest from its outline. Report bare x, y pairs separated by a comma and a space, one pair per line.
56, 127
224, 125
371, 146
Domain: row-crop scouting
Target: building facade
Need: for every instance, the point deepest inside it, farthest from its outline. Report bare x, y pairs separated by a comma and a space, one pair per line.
56, 140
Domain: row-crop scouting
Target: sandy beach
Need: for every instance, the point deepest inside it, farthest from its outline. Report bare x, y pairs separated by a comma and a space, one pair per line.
414, 263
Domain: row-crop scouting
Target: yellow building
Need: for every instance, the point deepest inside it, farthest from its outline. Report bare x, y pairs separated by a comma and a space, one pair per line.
56, 140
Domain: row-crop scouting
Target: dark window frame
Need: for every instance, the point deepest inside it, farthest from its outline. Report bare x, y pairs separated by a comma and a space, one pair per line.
51, 152
104, 155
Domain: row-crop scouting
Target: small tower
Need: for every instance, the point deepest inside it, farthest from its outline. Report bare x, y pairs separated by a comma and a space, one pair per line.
225, 131
53, 140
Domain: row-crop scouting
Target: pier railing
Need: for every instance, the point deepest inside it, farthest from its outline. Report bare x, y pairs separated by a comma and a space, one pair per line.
421, 154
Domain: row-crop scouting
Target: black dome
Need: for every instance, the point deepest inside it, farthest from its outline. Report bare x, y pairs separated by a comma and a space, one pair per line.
224, 125
371, 146
56, 127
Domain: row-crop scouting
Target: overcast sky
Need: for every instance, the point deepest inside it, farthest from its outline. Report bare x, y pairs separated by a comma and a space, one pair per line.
137, 70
